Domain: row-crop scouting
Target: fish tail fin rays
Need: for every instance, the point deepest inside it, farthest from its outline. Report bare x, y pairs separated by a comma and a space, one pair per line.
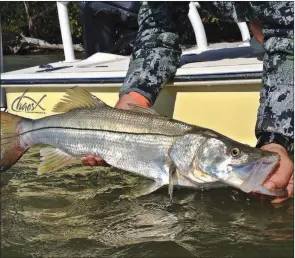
54, 159
11, 147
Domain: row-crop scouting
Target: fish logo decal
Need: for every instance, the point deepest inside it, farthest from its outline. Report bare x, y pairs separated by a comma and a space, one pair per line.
28, 104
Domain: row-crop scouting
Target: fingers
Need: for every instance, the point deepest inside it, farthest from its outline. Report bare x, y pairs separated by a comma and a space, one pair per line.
290, 187
255, 27
281, 176
124, 101
91, 160
101, 162
275, 200
283, 172
290, 190
262, 197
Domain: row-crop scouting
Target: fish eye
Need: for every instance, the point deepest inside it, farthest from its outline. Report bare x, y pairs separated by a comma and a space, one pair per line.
235, 152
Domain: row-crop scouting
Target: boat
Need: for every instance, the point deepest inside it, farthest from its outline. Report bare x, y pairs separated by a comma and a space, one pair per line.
217, 85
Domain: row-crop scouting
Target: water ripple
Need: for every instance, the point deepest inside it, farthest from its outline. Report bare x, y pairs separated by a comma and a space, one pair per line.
77, 212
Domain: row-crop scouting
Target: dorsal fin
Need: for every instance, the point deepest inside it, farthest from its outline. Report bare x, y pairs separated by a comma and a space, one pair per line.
77, 98
137, 108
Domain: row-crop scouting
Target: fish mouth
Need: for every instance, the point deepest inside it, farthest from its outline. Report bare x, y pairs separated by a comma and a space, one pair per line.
250, 177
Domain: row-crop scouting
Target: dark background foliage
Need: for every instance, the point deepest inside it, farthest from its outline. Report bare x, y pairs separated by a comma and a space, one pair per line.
39, 19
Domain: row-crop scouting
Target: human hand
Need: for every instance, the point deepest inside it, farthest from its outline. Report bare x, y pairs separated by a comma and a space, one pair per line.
283, 174
132, 98
255, 28
123, 103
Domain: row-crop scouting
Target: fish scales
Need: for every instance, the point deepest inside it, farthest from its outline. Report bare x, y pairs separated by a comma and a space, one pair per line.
141, 154
106, 118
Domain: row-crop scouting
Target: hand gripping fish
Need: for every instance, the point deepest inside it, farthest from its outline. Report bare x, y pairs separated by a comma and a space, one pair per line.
139, 141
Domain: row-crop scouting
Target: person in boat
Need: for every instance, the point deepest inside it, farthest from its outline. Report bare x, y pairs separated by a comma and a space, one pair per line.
156, 57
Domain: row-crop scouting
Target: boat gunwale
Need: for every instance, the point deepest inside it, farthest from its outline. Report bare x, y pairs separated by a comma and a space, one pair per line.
230, 77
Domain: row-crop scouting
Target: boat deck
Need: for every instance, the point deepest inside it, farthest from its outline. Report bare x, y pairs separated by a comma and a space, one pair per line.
217, 89
221, 62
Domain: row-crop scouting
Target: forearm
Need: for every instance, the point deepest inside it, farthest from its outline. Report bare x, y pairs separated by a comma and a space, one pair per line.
157, 51
276, 110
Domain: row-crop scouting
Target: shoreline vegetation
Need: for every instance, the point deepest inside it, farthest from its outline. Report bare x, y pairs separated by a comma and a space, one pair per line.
32, 27
21, 45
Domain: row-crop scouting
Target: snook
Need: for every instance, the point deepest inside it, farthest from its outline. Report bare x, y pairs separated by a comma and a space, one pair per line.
139, 141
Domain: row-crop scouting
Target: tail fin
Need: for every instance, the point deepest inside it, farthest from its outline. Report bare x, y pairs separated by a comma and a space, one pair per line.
11, 151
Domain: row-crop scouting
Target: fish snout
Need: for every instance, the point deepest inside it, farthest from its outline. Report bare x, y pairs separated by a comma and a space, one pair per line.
250, 177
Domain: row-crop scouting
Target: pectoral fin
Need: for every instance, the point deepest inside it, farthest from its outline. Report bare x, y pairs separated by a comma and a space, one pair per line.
54, 159
148, 189
172, 170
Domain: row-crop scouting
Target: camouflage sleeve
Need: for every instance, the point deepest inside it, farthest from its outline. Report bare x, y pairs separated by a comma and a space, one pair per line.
276, 110
156, 53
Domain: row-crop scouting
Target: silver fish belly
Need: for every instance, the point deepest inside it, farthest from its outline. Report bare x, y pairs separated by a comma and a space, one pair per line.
143, 154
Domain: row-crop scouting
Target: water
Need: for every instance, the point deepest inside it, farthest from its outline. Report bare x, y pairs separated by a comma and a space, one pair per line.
78, 212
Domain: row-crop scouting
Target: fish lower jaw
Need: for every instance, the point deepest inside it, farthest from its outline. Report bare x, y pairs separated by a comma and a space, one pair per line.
257, 178
234, 182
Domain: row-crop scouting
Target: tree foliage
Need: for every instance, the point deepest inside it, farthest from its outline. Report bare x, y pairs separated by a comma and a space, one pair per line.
38, 19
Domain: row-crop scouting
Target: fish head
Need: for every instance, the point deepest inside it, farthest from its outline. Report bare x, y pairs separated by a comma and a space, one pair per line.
236, 164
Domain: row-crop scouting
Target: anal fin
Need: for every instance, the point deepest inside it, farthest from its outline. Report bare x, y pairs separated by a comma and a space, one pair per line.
54, 159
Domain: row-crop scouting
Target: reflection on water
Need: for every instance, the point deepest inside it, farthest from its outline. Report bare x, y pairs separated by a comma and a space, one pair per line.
78, 212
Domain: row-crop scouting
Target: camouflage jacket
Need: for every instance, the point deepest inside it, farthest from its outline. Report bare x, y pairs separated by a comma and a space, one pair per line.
157, 50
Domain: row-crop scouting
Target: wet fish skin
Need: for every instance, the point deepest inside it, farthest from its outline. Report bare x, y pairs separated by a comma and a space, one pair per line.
137, 141
246, 169
140, 153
